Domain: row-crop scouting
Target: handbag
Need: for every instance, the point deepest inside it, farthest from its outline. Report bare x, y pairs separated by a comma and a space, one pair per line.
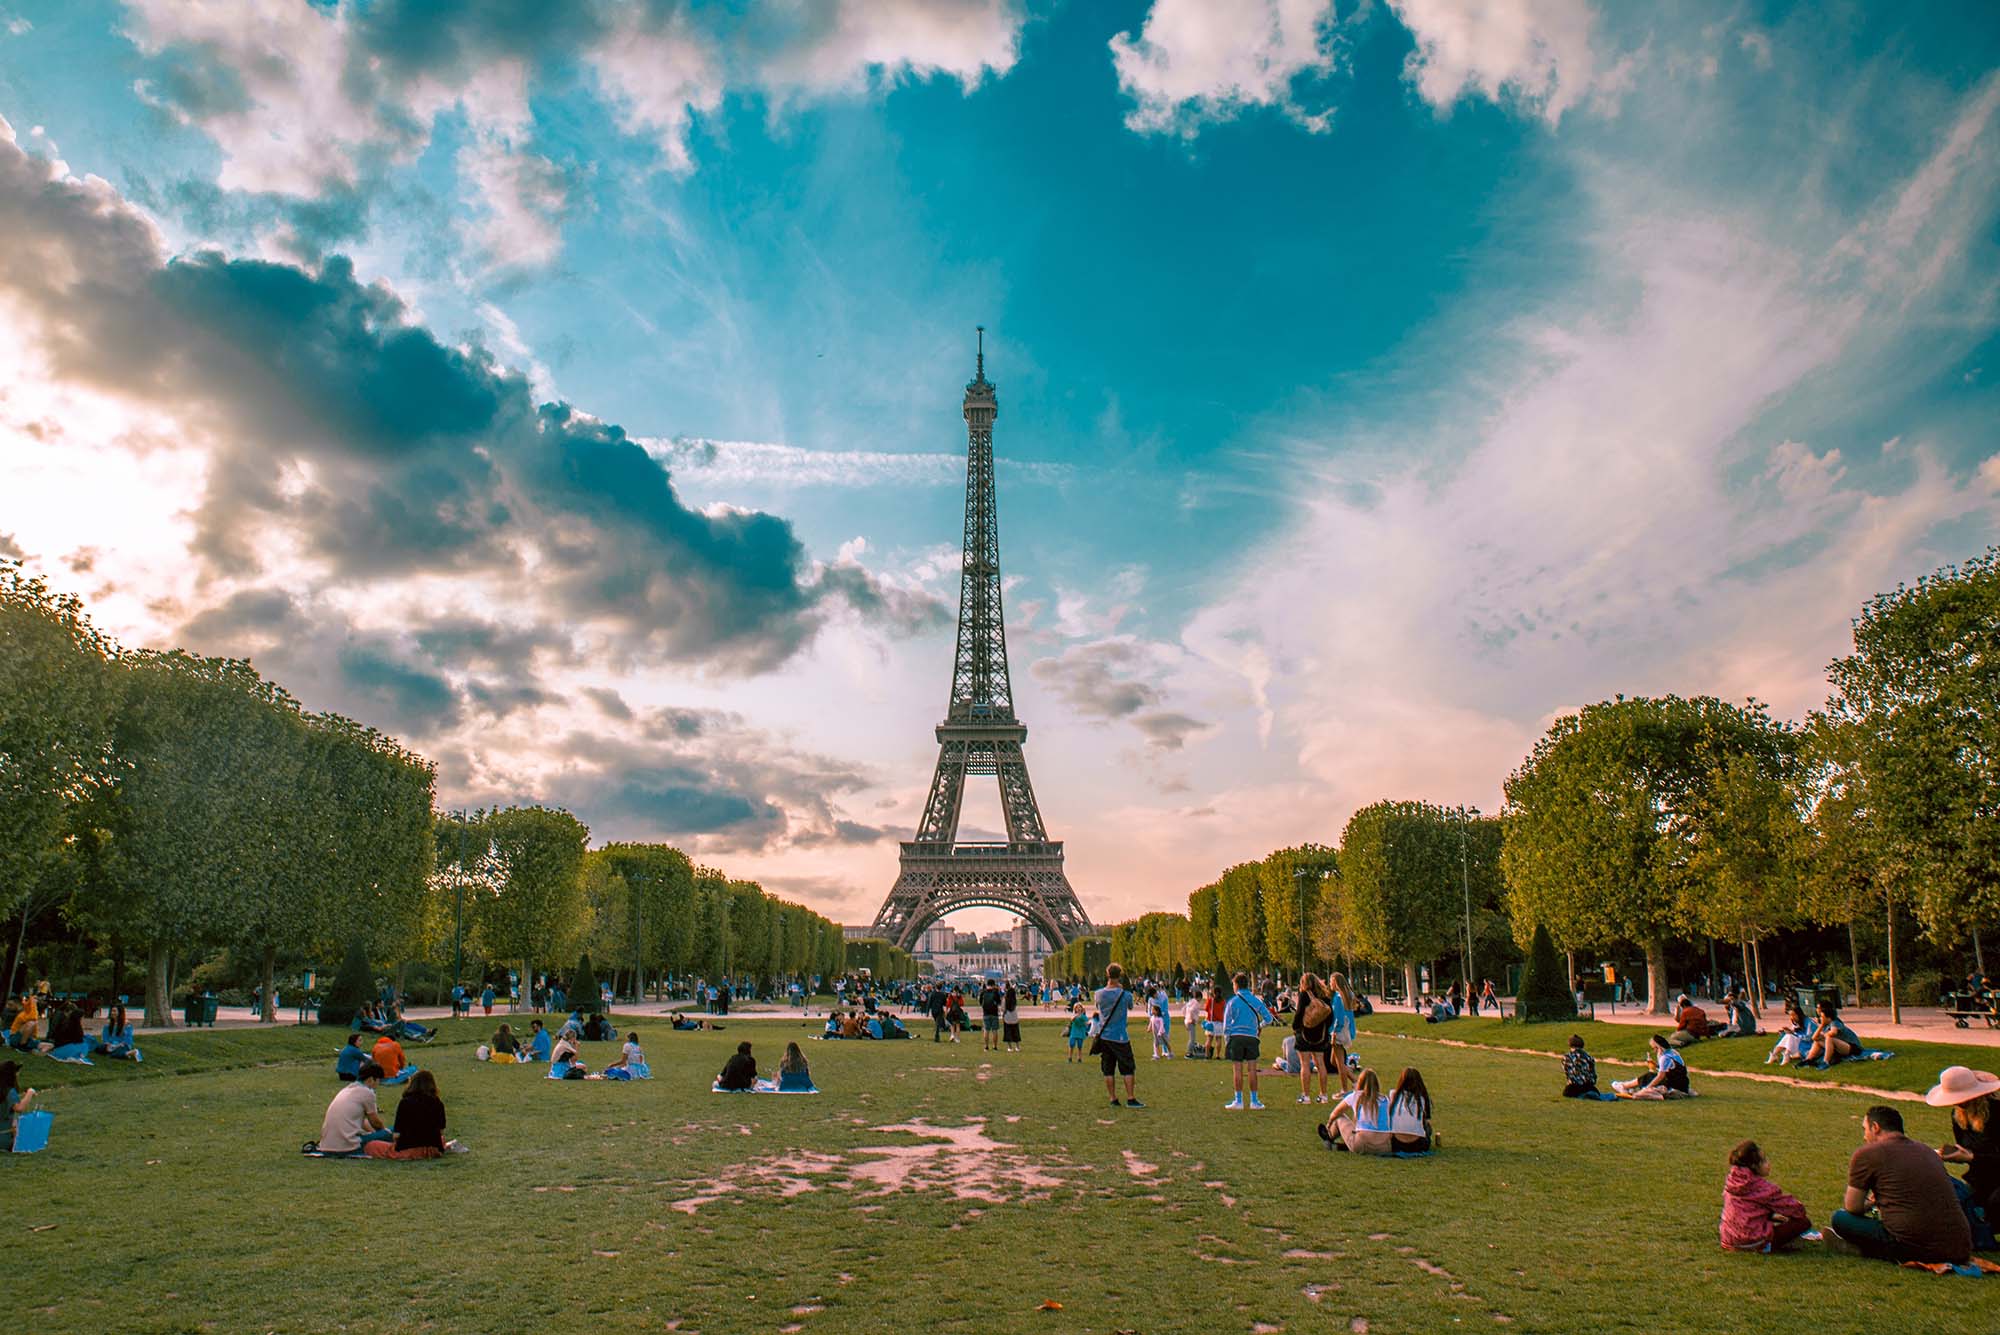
31, 1131
1097, 1041
1315, 1014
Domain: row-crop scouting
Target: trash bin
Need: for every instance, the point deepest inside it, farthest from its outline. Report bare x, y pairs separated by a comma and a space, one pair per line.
201, 1010
1810, 997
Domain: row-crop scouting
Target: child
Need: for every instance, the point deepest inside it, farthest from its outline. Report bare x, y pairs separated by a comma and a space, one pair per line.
1757, 1214
1241, 1019
1192, 1016
1156, 1025
1580, 1073
1079, 1029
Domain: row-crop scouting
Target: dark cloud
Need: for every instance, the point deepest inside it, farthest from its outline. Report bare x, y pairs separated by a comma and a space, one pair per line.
385, 453
611, 704
1107, 680
11, 549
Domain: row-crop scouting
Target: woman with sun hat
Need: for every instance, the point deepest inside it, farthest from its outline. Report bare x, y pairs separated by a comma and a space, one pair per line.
1975, 1136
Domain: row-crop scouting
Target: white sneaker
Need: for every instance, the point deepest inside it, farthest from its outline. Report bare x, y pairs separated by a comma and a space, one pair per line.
1234, 1105
1304, 1099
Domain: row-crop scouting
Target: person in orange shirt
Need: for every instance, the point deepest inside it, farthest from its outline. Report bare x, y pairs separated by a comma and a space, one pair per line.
21, 1033
389, 1056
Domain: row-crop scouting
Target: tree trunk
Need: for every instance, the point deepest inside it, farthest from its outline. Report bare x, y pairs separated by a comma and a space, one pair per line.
1714, 972
14, 960
1978, 954
1854, 956
1758, 947
1410, 983
269, 985
1895, 1007
159, 1006
1656, 978
117, 966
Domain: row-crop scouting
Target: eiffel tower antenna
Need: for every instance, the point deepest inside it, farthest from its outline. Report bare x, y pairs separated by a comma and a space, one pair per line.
980, 735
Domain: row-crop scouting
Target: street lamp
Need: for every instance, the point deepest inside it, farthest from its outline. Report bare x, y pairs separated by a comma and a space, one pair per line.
1465, 818
458, 909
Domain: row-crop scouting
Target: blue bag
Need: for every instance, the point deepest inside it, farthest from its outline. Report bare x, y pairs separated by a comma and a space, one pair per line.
31, 1131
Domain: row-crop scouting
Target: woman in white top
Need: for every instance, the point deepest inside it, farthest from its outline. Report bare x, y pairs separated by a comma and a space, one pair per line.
1410, 1114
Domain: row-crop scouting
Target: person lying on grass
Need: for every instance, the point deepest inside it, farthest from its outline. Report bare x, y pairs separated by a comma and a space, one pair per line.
740, 1071
1667, 1080
1757, 1214
1580, 1073
683, 1022
419, 1132
1916, 1216
1832, 1041
13, 1101
353, 1119
794, 1076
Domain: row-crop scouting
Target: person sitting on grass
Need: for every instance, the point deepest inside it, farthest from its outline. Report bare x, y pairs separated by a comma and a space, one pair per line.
1360, 1121
1974, 1098
598, 1029
1580, 1073
850, 1026
539, 1043
116, 1041
1410, 1115
347, 1066
23, 1031
66, 1042
1668, 1078
13, 1102
631, 1063
353, 1119
1832, 1041
389, 1056
419, 1132
1794, 1037
1690, 1022
739, 1072
1742, 1020
506, 1045
1241, 1019
1757, 1214
794, 1076
1917, 1215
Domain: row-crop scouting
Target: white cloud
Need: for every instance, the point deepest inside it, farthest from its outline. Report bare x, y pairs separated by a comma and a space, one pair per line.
749, 462
1539, 51
520, 197
893, 39
1198, 61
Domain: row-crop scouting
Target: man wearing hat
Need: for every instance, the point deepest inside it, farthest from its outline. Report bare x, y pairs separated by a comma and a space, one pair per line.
1975, 1136
1917, 1217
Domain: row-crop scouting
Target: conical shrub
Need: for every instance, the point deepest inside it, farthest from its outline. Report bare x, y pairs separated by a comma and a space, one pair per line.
1545, 993
352, 986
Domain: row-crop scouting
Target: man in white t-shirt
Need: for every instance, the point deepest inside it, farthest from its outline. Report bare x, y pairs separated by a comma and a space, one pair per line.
352, 1119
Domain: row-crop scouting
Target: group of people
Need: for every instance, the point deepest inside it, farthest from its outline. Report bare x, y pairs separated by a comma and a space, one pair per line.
999, 1014
1901, 1202
353, 1125
66, 1039
739, 1073
858, 1024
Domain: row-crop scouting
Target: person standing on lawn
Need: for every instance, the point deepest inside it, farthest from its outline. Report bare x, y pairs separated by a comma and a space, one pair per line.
989, 1015
937, 1002
1114, 1040
1241, 1019
1917, 1215
1312, 1026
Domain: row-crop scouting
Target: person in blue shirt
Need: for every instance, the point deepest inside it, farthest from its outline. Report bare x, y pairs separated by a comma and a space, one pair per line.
1241, 1019
351, 1059
1079, 1030
1114, 1041
538, 1041
1669, 1078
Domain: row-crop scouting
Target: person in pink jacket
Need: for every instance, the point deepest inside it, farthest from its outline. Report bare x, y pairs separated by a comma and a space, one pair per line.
1758, 1215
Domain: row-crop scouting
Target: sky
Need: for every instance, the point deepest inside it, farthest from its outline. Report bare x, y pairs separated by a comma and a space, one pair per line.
573, 391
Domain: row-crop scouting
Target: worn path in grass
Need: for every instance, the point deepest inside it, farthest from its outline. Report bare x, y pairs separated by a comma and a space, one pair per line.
930, 1189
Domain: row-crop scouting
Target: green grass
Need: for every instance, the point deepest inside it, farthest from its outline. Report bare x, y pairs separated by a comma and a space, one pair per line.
1913, 1069
171, 1202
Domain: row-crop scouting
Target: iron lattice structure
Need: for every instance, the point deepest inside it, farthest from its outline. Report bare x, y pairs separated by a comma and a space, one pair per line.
980, 735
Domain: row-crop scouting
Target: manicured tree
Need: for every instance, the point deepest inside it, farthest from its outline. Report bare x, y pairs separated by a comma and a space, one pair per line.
1920, 696
537, 911
1291, 882
583, 989
1239, 919
1545, 993
1399, 866
1605, 815
1202, 953
353, 986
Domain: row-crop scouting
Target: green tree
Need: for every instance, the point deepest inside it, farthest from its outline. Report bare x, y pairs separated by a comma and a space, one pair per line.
353, 987
583, 986
1400, 878
1739, 881
537, 912
1545, 993
1605, 814
1239, 919
1291, 882
56, 703
1920, 696
1203, 953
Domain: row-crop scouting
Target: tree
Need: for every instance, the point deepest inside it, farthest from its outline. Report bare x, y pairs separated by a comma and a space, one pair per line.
1399, 865
1921, 695
1545, 993
540, 851
1239, 919
1739, 881
353, 987
1604, 817
1291, 883
56, 704
1203, 956
583, 989
660, 902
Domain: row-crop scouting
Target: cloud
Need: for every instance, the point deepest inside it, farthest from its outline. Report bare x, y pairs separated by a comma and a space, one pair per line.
10, 549
1196, 62
1538, 52
1115, 680
305, 98
346, 440
743, 462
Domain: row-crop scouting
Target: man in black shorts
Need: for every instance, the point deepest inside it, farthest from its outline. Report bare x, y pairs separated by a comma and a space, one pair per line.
1114, 1042
989, 1014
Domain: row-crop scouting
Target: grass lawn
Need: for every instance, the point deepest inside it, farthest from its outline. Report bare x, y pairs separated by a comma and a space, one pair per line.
173, 1198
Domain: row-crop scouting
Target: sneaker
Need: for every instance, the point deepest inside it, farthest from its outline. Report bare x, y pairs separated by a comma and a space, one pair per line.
1116, 1104
1303, 1098
1256, 1104
1838, 1245
1324, 1099
1134, 1103
1234, 1105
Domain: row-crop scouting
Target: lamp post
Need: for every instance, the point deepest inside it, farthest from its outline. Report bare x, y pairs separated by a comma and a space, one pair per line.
458, 909
1465, 815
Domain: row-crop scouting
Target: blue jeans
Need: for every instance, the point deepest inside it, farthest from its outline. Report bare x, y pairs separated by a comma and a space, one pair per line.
1873, 1237
370, 1137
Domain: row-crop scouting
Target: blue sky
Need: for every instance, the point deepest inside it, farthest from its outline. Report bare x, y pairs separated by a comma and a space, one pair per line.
1377, 380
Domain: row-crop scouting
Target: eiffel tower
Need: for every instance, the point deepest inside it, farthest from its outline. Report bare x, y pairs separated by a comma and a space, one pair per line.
980, 735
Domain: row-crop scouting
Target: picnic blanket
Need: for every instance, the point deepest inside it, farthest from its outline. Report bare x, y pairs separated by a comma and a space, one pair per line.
72, 1055
1973, 1269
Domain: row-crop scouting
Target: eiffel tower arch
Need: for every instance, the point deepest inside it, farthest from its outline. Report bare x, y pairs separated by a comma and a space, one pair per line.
980, 736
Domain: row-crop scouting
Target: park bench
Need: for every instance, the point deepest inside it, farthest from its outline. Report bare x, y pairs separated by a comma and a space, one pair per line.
1965, 1007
